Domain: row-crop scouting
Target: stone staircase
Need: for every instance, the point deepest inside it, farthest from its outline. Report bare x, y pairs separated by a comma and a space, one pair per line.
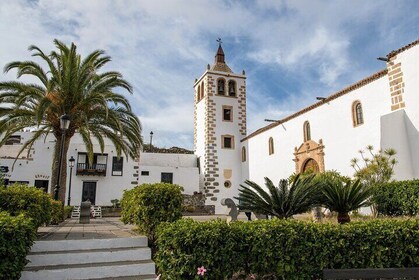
116, 258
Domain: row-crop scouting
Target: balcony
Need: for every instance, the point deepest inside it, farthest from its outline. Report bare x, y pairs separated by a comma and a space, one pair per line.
96, 169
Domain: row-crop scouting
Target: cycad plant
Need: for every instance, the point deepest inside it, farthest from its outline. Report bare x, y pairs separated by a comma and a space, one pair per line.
283, 201
67, 84
344, 197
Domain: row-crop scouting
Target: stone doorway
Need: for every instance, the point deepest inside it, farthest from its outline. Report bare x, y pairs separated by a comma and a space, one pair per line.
309, 156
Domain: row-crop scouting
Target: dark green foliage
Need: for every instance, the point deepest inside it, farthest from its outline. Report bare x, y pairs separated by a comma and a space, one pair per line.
67, 211
31, 201
343, 197
288, 249
16, 237
184, 246
283, 201
57, 212
397, 198
148, 205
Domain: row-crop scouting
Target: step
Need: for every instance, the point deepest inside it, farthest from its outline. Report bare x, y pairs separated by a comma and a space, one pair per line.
92, 271
88, 256
88, 244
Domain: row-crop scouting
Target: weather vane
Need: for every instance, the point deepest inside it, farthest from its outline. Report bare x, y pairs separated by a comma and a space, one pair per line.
219, 41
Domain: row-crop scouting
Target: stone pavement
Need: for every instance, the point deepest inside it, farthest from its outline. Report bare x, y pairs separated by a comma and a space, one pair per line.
99, 228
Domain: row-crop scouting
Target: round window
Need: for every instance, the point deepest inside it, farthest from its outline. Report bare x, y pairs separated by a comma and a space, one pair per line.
227, 184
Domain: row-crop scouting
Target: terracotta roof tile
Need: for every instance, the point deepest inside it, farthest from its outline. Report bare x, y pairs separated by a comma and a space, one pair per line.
402, 49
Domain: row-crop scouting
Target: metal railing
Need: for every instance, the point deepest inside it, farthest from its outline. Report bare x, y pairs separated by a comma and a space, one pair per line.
91, 169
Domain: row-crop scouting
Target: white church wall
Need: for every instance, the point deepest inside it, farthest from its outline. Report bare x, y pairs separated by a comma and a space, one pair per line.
395, 135
409, 65
331, 122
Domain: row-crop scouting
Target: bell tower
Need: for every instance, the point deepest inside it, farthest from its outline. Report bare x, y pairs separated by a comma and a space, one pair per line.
219, 125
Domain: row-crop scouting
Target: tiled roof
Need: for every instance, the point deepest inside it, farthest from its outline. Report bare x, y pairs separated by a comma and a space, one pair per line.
219, 66
344, 91
402, 49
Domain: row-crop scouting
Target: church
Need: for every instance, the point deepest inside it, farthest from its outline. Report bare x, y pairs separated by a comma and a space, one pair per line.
380, 110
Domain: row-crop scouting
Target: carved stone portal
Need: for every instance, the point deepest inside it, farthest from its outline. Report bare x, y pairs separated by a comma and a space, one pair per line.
309, 156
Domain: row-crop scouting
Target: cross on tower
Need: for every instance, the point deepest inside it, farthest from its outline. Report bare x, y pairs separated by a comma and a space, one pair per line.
219, 41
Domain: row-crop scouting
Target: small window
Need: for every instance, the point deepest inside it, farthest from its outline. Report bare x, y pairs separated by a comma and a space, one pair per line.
243, 154
198, 93
231, 88
167, 178
117, 166
220, 86
271, 145
13, 139
227, 142
357, 113
307, 131
202, 90
145, 173
227, 184
227, 113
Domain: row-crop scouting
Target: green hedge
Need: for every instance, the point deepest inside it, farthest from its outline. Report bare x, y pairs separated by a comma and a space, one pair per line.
148, 205
397, 198
286, 249
31, 201
67, 211
16, 237
57, 212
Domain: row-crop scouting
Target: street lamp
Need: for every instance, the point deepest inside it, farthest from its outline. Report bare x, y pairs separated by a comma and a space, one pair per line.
71, 161
64, 125
151, 141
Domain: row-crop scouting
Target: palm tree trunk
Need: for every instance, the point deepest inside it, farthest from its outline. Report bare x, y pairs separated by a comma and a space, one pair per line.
343, 218
55, 168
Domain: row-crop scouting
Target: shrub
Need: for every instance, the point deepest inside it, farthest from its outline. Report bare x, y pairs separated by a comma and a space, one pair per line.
283, 201
31, 201
397, 198
148, 205
67, 211
288, 249
16, 238
57, 212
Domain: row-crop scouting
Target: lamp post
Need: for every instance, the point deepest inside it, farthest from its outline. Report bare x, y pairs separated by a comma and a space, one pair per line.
151, 141
71, 161
64, 125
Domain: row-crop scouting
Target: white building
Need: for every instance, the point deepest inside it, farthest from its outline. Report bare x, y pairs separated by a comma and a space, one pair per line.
380, 110
104, 179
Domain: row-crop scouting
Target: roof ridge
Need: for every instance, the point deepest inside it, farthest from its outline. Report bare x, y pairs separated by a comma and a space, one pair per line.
337, 94
402, 49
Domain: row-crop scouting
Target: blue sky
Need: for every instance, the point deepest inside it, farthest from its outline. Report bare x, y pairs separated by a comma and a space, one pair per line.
292, 51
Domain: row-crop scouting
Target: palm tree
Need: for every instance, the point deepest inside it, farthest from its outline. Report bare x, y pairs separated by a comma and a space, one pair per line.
73, 86
283, 201
344, 197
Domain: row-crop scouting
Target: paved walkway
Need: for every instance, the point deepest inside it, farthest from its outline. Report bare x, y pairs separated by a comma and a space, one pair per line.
98, 228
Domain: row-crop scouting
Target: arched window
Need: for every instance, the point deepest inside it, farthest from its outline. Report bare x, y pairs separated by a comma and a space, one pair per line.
198, 93
271, 146
243, 154
221, 86
202, 89
231, 88
307, 131
357, 113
